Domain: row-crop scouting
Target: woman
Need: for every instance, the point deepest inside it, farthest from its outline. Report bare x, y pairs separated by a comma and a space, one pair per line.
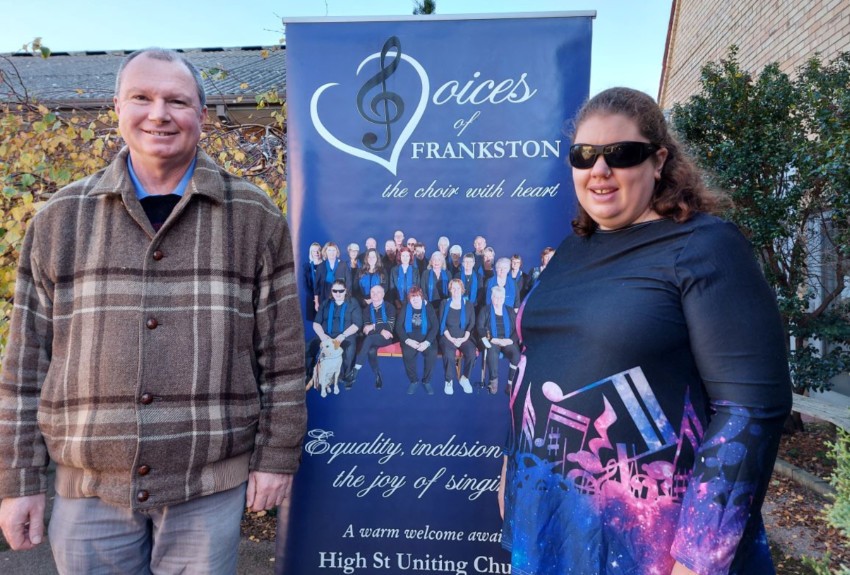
371, 274
353, 259
519, 277
403, 277
496, 328
416, 328
652, 415
501, 279
545, 256
338, 318
457, 322
473, 280
310, 270
435, 281
330, 270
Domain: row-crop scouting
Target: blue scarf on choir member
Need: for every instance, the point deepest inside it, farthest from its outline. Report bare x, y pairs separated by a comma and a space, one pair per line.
506, 322
446, 315
510, 291
329, 276
368, 281
408, 319
404, 281
341, 316
383, 314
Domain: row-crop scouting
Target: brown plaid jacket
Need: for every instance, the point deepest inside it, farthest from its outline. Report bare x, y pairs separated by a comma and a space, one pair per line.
153, 367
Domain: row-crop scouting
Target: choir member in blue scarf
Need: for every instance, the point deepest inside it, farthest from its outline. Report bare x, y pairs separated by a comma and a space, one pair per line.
416, 327
535, 272
457, 322
353, 258
330, 270
371, 274
496, 328
435, 281
403, 277
473, 281
519, 277
454, 264
310, 270
378, 326
338, 318
503, 268
390, 257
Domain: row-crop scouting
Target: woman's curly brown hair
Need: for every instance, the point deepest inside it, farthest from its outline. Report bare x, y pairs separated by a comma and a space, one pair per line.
680, 193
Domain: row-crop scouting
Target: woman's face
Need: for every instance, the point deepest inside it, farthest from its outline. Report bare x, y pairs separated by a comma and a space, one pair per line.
436, 264
338, 293
416, 301
315, 252
456, 289
516, 263
546, 258
502, 269
372, 259
331, 253
616, 197
405, 258
353, 253
498, 299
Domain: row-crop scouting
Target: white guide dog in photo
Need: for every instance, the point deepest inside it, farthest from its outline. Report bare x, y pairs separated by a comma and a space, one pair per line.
328, 367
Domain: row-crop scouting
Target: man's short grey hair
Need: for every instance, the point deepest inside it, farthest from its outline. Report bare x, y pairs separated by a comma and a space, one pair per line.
497, 290
165, 56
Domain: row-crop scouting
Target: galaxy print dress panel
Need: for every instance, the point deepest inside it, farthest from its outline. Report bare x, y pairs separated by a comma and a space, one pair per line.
602, 476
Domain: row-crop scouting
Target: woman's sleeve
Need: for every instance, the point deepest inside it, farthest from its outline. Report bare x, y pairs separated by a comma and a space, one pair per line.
738, 342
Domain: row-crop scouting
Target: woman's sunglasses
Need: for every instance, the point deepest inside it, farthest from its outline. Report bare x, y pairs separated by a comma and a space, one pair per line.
617, 155
338, 290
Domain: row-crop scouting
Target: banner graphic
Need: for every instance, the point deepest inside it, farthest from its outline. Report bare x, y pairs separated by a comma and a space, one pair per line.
408, 137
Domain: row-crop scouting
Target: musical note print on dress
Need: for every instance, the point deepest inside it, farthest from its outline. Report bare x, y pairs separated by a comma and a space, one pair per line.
608, 458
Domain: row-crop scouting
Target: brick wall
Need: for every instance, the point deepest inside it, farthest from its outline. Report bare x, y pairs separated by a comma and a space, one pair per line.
765, 31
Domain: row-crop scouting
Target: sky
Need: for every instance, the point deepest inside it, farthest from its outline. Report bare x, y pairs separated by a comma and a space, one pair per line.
628, 35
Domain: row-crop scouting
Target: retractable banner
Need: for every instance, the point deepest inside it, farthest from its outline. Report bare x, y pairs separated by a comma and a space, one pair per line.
428, 126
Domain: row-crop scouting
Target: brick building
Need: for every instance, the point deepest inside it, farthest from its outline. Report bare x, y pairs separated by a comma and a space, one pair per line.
785, 31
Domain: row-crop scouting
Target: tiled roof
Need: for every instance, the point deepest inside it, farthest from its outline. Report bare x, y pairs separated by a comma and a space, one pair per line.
90, 76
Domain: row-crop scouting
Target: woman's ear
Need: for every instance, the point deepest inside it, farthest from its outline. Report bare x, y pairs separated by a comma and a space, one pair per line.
660, 158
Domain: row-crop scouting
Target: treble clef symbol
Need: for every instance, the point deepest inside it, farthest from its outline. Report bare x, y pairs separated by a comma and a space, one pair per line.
384, 97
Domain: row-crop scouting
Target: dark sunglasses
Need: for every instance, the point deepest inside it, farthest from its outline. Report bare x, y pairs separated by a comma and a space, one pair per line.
338, 290
617, 155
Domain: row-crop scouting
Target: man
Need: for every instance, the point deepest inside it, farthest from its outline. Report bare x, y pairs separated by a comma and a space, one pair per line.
389, 259
478, 245
156, 350
378, 329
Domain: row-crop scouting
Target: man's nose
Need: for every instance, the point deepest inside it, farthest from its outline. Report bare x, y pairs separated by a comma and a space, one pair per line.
158, 111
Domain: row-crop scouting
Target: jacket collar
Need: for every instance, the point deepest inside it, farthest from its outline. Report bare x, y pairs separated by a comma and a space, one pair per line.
206, 181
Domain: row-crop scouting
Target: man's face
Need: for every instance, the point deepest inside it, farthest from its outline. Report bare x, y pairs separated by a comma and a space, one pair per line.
376, 295
479, 244
159, 112
468, 264
371, 243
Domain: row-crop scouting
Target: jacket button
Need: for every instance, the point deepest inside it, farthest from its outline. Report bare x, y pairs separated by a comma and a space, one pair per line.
146, 398
158, 255
142, 496
143, 470
151, 323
